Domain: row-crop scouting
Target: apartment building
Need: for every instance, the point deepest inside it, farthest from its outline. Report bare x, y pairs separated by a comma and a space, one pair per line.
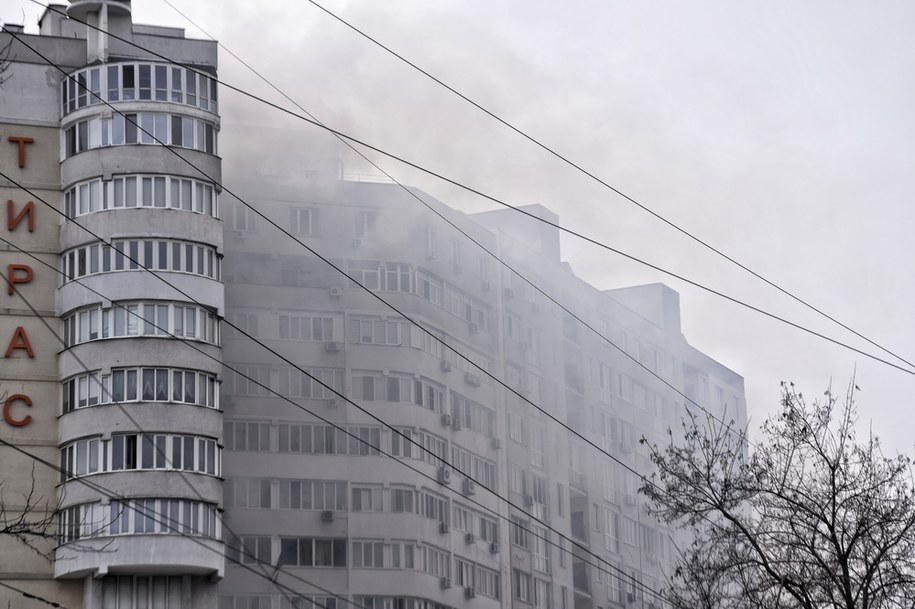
403, 422
110, 169
424, 428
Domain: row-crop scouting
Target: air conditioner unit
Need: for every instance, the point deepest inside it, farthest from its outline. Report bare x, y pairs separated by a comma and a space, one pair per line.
509, 293
458, 424
445, 582
447, 420
497, 443
445, 365
332, 346
470, 487
333, 403
472, 379
470, 592
528, 500
630, 597
630, 499
444, 528
336, 292
494, 548
358, 242
470, 538
327, 516
472, 328
444, 475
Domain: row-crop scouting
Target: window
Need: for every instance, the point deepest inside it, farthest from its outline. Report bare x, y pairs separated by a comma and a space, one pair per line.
148, 254
364, 225
312, 495
135, 591
434, 561
519, 532
611, 531
306, 327
537, 449
369, 554
248, 380
541, 594
327, 440
250, 549
310, 382
135, 384
630, 531
428, 395
312, 552
247, 493
433, 506
541, 550
305, 221
517, 428
384, 388
477, 468
244, 219
247, 436
139, 319
472, 415
143, 81
379, 332
140, 128
521, 585
162, 451
367, 498
403, 500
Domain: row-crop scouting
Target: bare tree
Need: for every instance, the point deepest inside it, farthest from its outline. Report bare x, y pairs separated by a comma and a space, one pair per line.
29, 517
812, 518
5, 61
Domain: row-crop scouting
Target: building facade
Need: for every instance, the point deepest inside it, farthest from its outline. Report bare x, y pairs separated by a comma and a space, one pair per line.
402, 421
109, 154
373, 454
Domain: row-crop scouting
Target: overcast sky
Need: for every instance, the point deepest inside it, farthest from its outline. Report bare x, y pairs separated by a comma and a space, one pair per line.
780, 132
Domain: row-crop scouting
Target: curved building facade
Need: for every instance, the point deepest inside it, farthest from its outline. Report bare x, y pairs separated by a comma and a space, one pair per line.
139, 294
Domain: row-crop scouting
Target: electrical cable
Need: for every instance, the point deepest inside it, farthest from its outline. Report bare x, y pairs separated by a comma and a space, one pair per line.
578, 167
339, 270
177, 525
456, 227
493, 199
256, 211
728, 425
342, 396
31, 596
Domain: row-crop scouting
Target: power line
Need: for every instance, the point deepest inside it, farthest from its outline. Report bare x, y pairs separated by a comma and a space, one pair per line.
456, 227
349, 401
176, 524
31, 596
71, 477
339, 270
336, 268
488, 197
606, 184
740, 433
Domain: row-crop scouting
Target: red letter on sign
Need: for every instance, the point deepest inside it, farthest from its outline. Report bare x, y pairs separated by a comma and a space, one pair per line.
20, 341
12, 221
8, 404
11, 275
22, 141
